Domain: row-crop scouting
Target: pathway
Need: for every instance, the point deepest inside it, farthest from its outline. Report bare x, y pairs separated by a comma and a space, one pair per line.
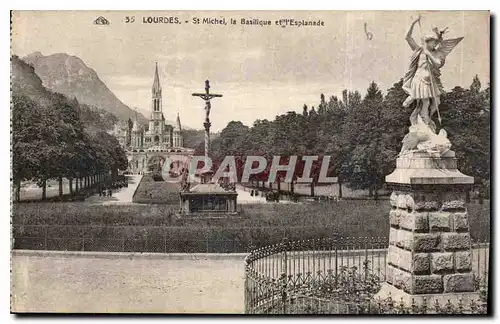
126, 282
120, 196
244, 197
96, 282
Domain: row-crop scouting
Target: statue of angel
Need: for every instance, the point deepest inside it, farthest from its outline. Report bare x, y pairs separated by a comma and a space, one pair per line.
422, 80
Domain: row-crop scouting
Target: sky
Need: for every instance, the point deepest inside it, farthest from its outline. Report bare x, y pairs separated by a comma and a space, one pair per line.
261, 71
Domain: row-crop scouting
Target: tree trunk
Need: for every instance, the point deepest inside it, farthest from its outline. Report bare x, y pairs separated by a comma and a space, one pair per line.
291, 187
340, 187
76, 184
312, 189
60, 186
279, 185
467, 196
44, 189
70, 186
17, 195
370, 192
114, 174
376, 193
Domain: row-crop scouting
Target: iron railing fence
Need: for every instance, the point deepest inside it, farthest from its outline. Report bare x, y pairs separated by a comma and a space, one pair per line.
326, 276
193, 237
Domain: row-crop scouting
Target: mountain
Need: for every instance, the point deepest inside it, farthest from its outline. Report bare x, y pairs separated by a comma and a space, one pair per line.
25, 82
70, 76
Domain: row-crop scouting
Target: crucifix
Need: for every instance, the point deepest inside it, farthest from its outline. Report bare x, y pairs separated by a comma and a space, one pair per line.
207, 96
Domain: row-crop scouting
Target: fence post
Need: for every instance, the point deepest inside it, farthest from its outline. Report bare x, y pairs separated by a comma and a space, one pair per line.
284, 276
365, 263
336, 261
246, 288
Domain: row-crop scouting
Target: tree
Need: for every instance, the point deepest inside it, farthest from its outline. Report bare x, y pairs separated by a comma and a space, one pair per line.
50, 139
475, 86
322, 105
395, 123
465, 112
25, 123
364, 137
332, 137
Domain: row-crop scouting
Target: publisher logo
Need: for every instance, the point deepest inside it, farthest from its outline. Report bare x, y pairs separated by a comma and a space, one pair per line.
101, 21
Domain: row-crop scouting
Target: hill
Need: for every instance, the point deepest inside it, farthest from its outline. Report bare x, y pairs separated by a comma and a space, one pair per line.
70, 76
24, 81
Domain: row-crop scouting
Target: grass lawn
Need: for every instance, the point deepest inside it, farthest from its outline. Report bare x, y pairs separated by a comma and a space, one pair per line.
153, 228
156, 192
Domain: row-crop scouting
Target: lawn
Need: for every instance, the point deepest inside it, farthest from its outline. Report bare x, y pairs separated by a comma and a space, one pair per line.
156, 192
77, 226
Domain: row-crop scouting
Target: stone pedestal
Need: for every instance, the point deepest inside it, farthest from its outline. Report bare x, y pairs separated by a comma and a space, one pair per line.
429, 253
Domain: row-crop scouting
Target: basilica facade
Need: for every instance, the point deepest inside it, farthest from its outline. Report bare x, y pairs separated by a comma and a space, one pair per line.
148, 146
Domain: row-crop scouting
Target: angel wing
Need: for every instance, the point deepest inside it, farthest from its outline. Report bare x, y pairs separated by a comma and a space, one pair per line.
447, 45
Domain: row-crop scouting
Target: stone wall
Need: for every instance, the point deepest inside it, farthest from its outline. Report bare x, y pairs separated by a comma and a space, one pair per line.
429, 242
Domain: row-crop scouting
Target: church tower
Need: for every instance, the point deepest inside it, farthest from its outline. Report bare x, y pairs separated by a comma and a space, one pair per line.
157, 121
136, 134
177, 133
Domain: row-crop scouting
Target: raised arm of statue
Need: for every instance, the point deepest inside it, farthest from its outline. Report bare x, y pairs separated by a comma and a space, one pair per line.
409, 38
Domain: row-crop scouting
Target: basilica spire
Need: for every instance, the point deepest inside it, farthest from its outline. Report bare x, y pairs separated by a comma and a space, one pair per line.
156, 82
156, 94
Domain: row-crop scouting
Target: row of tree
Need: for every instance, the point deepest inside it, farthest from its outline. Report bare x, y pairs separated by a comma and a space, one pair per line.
363, 135
51, 141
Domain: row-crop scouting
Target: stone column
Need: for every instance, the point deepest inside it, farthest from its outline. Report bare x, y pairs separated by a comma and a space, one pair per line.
429, 254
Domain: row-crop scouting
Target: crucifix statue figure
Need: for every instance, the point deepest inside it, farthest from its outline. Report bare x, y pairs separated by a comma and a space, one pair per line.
207, 96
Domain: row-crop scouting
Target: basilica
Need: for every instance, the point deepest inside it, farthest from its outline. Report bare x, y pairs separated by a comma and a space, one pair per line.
148, 146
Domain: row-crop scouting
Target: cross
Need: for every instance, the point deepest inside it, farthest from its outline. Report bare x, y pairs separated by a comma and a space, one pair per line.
207, 96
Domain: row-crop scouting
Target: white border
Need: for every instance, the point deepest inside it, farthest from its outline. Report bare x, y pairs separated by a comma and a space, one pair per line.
184, 5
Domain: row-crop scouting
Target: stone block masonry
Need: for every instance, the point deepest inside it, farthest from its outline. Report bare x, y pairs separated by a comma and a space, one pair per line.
429, 254
429, 247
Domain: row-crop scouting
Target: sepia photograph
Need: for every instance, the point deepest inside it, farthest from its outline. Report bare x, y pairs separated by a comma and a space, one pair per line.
250, 162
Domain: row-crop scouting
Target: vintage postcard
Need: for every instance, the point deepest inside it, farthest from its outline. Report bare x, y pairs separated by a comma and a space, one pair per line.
250, 162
